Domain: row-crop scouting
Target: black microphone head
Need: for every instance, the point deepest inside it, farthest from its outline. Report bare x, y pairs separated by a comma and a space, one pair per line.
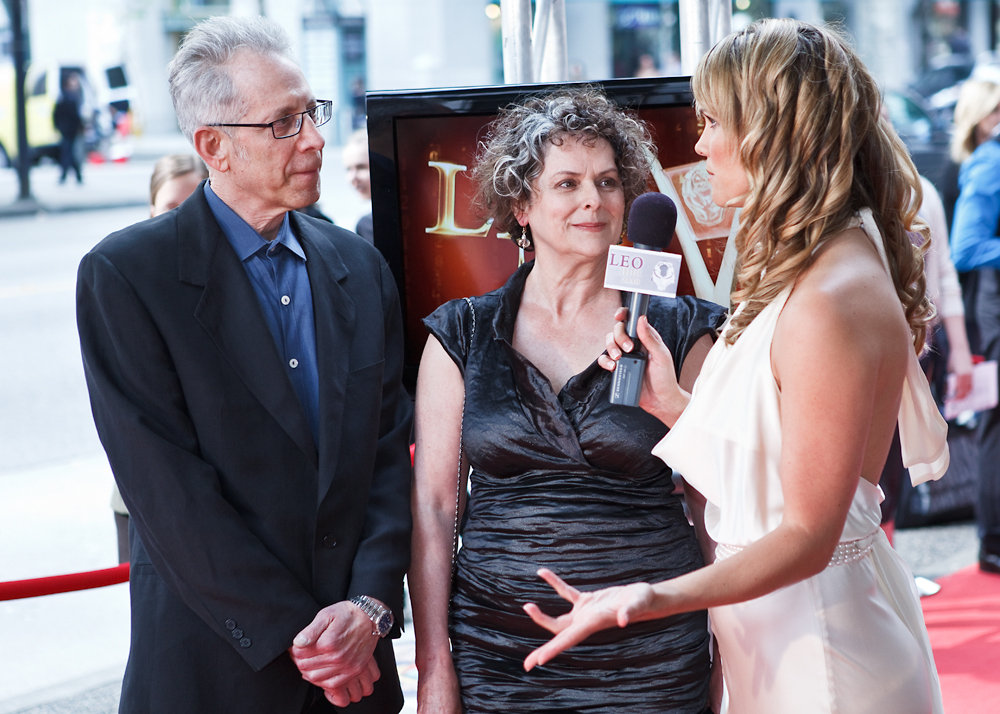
651, 221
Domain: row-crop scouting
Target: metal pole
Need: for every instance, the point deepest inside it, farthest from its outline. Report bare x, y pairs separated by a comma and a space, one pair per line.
551, 55
20, 70
515, 29
703, 23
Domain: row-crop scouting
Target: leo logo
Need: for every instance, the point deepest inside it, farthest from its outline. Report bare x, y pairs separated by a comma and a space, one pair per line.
446, 225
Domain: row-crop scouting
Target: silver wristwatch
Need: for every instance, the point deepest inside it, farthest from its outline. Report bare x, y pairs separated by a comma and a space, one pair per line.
380, 615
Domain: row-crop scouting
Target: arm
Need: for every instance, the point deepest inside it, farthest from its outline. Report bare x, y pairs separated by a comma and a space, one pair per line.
828, 407
977, 211
944, 290
959, 355
440, 396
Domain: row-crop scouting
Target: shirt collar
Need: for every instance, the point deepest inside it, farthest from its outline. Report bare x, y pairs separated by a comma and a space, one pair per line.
242, 237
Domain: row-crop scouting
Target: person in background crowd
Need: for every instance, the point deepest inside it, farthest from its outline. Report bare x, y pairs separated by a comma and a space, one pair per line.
67, 117
975, 113
791, 418
975, 236
508, 383
174, 178
356, 162
948, 351
244, 363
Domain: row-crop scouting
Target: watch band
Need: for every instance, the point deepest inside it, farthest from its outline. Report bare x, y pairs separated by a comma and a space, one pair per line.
381, 616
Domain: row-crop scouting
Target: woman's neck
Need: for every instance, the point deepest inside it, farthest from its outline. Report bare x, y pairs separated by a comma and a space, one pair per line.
566, 289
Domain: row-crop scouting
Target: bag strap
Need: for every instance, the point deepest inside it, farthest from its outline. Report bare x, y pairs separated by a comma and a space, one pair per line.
461, 430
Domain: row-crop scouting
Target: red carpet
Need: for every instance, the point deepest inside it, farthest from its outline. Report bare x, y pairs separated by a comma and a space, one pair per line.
964, 625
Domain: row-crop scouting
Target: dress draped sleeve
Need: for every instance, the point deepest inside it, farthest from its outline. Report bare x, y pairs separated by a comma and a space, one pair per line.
451, 324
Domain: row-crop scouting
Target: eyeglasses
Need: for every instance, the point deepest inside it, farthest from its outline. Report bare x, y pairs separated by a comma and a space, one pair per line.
290, 125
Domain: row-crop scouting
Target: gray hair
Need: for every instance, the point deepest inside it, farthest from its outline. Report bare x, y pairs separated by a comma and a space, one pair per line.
200, 86
511, 157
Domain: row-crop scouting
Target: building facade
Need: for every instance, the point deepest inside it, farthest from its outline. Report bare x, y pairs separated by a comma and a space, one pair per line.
349, 46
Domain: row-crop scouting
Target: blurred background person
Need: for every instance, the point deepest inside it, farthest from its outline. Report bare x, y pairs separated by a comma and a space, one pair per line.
974, 119
356, 163
948, 352
559, 475
174, 178
67, 117
976, 247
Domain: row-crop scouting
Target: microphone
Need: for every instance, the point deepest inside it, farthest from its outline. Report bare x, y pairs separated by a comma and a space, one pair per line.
651, 224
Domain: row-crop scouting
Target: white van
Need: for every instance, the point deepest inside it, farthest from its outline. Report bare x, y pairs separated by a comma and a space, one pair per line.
102, 100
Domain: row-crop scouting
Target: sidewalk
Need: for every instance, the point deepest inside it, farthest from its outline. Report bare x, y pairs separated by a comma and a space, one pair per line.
105, 185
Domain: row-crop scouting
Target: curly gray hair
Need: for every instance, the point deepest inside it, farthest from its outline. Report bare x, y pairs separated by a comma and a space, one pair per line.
200, 86
512, 155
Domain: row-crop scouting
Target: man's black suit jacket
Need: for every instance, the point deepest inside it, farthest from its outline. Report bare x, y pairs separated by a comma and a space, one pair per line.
245, 528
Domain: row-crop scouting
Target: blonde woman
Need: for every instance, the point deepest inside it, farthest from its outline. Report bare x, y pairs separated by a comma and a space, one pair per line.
790, 420
975, 236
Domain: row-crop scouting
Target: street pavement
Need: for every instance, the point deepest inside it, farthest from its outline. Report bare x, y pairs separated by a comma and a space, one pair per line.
66, 653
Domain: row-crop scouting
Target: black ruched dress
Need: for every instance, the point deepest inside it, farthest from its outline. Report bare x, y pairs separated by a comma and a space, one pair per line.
566, 481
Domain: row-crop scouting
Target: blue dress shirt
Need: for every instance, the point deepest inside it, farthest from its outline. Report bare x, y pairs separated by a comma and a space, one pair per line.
277, 272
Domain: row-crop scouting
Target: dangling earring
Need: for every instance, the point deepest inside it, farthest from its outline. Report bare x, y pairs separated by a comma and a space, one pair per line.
523, 241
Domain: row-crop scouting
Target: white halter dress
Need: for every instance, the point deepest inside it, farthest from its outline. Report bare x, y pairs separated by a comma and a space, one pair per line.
851, 639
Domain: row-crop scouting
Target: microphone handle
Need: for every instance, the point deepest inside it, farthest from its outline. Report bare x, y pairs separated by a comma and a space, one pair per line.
638, 302
637, 306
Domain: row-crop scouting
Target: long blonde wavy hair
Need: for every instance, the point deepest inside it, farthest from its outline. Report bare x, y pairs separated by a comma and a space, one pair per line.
816, 150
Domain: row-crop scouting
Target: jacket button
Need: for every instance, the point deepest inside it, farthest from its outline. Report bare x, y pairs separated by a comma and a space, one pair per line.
237, 633
329, 541
230, 624
245, 642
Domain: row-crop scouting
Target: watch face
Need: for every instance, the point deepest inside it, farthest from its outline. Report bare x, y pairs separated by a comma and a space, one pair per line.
384, 624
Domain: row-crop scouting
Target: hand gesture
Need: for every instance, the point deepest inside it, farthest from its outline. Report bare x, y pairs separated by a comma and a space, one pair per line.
661, 396
335, 652
592, 611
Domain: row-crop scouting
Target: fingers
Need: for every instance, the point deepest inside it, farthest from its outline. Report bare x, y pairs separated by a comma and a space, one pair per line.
541, 619
963, 385
560, 643
617, 342
311, 632
565, 591
649, 337
341, 691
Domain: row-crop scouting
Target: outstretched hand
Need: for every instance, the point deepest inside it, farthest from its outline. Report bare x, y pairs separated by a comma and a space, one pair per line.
661, 395
592, 612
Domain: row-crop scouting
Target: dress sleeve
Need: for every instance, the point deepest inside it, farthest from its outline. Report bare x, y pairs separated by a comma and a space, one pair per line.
451, 324
682, 321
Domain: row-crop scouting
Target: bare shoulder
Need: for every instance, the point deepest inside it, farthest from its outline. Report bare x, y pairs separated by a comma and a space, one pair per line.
845, 301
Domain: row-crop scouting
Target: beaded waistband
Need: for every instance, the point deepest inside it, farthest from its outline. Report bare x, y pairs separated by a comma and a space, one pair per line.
846, 551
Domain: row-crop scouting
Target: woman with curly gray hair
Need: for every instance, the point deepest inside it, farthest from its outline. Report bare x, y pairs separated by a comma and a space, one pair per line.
559, 475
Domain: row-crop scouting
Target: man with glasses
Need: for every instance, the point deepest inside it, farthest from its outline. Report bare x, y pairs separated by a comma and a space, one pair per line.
244, 364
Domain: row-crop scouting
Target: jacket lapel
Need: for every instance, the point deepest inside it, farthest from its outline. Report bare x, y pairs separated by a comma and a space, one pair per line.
231, 315
334, 313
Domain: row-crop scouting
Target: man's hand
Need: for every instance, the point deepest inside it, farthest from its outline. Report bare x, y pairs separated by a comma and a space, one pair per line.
335, 652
